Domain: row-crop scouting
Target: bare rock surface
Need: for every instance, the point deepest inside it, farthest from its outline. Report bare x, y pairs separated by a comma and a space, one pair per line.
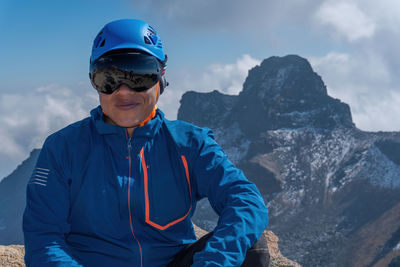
276, 257
12, 256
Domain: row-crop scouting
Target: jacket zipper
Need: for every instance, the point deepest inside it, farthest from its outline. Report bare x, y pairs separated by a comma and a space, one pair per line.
129, 145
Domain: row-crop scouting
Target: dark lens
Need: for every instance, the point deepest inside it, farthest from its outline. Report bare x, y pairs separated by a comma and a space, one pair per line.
138, 71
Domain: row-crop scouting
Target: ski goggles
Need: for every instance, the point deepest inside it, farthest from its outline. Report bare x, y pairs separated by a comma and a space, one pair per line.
138, 71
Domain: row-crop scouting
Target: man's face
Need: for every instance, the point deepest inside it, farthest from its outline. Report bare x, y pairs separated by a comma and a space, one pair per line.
128, 108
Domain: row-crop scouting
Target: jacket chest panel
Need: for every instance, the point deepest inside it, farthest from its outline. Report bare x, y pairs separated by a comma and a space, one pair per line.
99, 194
149, 186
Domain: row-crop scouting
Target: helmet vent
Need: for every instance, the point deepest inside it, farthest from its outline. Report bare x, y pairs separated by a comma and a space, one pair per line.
151, 35
159, 44
98, 39
102, 43
147, 40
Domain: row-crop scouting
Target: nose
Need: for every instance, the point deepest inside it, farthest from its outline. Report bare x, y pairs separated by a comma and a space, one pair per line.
123, 89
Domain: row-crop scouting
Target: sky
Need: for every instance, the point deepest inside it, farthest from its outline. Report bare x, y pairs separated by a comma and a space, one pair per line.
211, 45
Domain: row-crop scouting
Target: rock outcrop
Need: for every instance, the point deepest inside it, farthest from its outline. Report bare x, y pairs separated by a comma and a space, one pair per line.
12, 256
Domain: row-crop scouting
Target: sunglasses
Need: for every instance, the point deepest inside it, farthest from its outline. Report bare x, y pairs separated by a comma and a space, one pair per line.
137, 70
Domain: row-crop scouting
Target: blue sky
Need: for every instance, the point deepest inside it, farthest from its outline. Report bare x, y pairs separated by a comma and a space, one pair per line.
52, 39
45, 49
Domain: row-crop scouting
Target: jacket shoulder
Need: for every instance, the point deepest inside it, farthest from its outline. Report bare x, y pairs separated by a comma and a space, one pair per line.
187, 133
74, 130
70, 137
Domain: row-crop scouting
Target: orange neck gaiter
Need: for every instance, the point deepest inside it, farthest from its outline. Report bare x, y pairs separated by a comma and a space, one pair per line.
153, 113
150, 117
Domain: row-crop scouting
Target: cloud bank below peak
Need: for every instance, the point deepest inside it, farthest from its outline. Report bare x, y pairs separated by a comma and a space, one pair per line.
28, 118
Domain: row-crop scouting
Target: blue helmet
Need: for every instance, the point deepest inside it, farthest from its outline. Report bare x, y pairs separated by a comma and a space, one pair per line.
128, 34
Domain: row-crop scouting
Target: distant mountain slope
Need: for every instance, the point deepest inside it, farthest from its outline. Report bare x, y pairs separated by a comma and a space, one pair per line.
12, 201
333, 190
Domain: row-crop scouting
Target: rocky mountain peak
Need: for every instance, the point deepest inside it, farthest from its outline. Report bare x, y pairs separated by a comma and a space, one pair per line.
287, 93
286, 76
283, 92
333, 191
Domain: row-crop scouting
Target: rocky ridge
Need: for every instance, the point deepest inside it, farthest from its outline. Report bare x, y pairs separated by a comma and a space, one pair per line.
13, 199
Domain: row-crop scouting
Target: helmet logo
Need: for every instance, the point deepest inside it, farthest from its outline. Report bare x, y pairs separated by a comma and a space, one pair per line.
151, 35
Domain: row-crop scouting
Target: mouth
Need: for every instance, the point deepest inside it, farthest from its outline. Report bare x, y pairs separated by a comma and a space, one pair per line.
126, 106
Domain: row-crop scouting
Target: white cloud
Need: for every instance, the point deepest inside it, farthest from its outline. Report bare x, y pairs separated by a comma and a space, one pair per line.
365, 83
9, 146
27, 119
347, 19
249, 19
333, 61
385, 13
361, 69
379, 112
366, 76
226, 78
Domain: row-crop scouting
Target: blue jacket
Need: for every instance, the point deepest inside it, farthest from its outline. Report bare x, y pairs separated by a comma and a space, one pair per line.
99, 198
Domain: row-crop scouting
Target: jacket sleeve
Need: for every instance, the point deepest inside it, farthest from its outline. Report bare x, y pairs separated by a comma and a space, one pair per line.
243, 215
46, 213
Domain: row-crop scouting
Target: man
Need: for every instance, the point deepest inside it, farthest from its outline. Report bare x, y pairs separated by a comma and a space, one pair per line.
119, 188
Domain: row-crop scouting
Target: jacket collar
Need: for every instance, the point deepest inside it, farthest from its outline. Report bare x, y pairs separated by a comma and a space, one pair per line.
150, 129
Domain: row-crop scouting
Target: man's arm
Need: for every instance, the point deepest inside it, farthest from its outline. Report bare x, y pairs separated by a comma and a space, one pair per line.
241, 209
46, 213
